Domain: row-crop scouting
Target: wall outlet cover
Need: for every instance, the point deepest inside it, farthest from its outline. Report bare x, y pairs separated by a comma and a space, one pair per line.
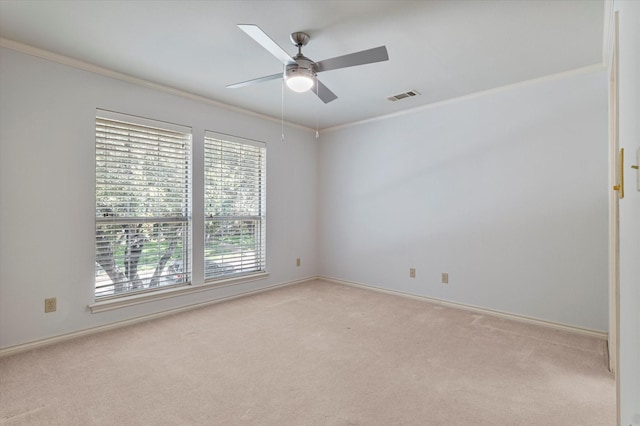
50, 305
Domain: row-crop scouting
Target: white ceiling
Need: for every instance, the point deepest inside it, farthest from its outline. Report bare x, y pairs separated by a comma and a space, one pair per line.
442, 48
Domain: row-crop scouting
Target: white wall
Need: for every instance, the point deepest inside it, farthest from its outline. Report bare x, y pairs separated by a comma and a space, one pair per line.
47, 177
505, 191
629, 103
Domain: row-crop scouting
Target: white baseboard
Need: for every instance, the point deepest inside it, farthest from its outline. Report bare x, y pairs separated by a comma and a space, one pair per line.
558, 326
12, 350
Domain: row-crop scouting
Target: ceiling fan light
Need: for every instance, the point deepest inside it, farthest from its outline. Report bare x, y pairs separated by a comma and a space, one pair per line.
300, 76
299, 83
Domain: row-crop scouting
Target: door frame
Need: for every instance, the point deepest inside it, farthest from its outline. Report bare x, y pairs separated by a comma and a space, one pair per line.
614, 218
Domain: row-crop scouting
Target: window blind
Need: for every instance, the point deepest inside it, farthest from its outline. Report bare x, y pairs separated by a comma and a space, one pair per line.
235, 221
143, 202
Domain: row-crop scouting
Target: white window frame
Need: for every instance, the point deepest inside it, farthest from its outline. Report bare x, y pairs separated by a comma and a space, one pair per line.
154, 221
235, 213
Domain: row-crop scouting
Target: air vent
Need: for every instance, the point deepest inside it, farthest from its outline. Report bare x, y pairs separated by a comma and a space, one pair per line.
404, 95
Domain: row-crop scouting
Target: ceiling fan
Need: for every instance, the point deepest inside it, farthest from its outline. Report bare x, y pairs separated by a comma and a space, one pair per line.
300, 72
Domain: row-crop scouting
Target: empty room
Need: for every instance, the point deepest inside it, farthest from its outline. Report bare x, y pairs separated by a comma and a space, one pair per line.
320, 212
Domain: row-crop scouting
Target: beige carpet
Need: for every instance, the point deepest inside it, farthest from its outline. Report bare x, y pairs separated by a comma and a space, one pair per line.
314, 354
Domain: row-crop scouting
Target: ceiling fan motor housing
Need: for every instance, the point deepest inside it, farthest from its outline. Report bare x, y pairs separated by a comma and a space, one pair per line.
303, 67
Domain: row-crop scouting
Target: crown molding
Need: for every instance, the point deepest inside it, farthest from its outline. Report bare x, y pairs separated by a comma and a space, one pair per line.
95, 69
551, 77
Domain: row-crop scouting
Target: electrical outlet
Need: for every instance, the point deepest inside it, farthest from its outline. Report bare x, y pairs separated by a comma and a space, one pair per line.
298, 262
50, 305
412, 272
445, 278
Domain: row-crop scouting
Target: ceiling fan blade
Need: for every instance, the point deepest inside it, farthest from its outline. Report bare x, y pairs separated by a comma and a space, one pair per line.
323, 92
377, 54
265, 41
255, 81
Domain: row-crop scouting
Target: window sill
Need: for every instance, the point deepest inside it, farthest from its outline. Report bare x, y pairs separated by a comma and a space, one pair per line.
138, 299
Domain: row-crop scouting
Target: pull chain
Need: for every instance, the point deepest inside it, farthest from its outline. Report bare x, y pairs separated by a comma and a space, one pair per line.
317, 94
282, 106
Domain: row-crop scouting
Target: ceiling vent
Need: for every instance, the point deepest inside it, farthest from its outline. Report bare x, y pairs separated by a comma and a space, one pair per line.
404, 95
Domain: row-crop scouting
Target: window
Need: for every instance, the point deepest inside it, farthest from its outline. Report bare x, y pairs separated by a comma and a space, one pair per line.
143, 202
234, 206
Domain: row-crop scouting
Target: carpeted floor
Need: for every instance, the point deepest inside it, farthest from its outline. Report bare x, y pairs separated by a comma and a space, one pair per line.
314, 354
